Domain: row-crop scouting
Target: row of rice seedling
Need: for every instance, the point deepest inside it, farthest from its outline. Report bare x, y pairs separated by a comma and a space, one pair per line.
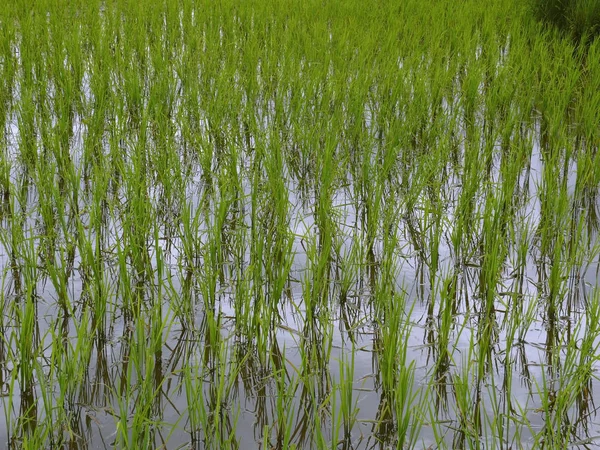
297, 225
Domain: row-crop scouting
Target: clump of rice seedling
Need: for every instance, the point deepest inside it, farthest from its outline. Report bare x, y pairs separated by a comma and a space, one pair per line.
579, 19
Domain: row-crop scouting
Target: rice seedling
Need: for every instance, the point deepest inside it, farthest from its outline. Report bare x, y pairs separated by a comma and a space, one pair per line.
298, 224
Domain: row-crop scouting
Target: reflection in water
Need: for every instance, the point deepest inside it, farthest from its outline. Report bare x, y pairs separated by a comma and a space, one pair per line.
324, 264
209, 342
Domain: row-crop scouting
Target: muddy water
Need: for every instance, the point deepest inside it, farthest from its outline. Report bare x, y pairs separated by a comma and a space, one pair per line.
351, 333
253, 405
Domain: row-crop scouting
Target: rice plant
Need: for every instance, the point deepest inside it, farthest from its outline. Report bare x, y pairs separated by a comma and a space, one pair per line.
297, 224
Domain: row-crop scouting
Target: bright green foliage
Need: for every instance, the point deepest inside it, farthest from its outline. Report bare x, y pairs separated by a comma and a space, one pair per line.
298, 224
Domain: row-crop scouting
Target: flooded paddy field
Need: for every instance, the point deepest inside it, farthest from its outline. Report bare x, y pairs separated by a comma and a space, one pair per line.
297, 225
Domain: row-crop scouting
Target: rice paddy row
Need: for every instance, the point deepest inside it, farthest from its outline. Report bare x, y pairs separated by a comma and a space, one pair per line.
297, 224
